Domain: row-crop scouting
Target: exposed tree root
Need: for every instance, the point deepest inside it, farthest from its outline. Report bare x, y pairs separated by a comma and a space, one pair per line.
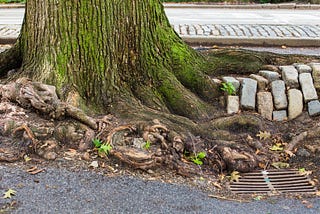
229, 142
44, 99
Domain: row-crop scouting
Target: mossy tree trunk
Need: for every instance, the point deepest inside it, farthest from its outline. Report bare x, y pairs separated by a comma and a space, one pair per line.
114, 51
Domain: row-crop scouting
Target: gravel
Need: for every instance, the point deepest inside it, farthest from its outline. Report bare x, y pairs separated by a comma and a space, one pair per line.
63, 191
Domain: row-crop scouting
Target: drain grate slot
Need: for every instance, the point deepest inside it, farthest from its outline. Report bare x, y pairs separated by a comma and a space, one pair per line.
281, 181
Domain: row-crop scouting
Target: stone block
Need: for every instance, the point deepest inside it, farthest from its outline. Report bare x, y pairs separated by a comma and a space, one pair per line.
279, 94
290, 76
308, 89
295, 107
262, 82
316, 75
233, 81
302, 68
314, 108
232, 104
279, 115
265, 104
248, 93
270, 75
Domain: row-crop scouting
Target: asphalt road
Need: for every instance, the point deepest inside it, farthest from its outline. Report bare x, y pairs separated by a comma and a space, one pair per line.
211, 16
242, 16
62, 191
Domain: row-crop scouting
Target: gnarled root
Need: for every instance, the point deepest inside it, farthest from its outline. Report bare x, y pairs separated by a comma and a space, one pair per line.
43, 98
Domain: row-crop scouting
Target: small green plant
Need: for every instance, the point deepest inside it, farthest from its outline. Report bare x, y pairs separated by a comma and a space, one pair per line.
147, 145
228, 87
198, 158
103, 148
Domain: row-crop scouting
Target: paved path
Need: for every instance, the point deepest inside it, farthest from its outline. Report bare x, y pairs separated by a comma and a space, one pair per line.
61, 191
209, 26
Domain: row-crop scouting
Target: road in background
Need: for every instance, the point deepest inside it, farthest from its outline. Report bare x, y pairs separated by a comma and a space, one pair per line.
243, 16
12, 16
211, 16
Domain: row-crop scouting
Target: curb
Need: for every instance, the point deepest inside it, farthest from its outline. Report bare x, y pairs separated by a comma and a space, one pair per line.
7, 40
245, 6
290, 42
229, 41
12, 6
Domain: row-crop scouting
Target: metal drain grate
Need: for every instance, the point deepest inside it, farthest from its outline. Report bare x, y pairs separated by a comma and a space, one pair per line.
271, 181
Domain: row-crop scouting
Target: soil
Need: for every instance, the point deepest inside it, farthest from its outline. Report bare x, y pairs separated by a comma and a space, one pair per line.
29, 138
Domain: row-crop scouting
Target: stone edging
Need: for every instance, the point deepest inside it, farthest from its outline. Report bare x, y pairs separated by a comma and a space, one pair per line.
279, 93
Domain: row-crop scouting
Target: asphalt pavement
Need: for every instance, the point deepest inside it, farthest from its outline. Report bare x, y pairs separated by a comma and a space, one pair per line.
62, 191
264, 25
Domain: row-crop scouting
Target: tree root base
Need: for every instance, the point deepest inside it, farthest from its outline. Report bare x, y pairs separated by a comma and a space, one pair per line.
36, 121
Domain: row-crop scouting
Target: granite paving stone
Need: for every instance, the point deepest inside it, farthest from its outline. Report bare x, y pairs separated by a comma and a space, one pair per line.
262, 82
270, 75
295, 106
302, 68
316, 75
265, 104
278, 90
232, 104
279, 115
290, 76
308, 89
248, 93
314, 108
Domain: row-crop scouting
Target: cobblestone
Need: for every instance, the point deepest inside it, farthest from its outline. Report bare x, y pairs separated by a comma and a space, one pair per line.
295, 103
308, 89
278, 90
242, 30
248, 93
314, 108
290, 76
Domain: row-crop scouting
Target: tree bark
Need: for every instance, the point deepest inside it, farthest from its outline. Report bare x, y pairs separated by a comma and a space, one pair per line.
114, 51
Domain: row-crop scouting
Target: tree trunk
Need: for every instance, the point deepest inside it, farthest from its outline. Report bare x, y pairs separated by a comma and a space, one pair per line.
114, 51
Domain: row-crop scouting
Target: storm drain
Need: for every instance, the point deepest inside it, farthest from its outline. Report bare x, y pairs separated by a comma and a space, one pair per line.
273, 181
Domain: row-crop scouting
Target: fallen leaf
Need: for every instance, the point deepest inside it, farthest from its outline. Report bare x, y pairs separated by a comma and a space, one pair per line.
27, 158
94, 164
263, 135
9, 193
258, 198
277, 147
216, 184
283, 47
280, 165
303, 171
262, 165
249, 138
235, 175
